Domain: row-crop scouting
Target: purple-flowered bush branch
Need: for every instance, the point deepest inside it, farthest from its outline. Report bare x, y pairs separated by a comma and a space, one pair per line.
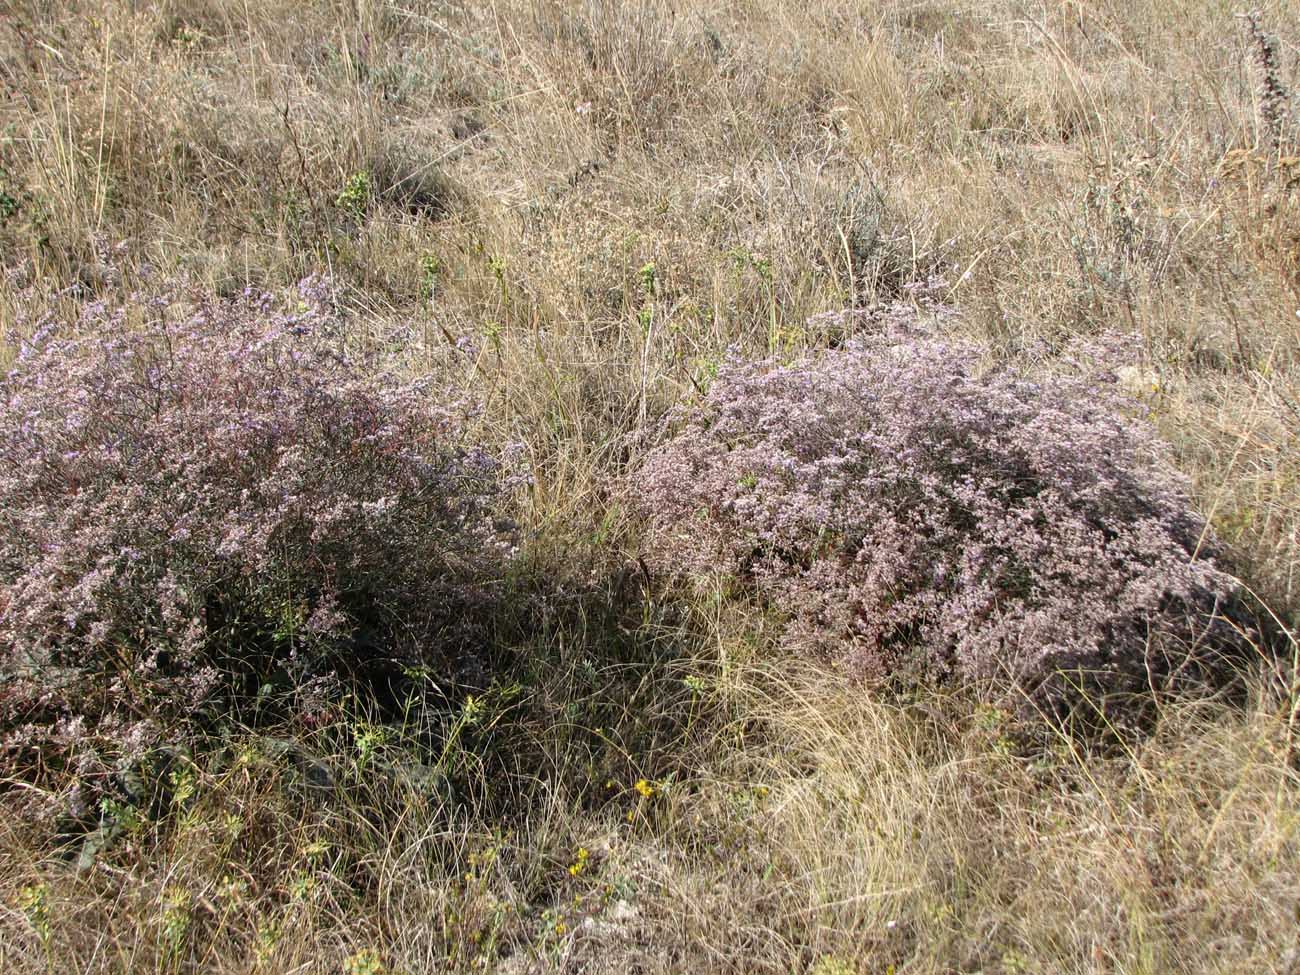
911, 514
191, 507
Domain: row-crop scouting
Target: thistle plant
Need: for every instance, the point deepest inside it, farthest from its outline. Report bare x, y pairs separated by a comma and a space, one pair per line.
1274, 98
912, 515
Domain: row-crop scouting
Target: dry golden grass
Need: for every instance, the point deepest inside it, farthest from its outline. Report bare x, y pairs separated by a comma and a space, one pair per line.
818, 825
605, 196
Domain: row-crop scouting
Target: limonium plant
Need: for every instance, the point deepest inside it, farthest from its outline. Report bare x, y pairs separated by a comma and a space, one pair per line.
909, 512
196, 506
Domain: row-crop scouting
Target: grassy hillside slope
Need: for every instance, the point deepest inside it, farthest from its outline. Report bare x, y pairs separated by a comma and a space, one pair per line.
574, 212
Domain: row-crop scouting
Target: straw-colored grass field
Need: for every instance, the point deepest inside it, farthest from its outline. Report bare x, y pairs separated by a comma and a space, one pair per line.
594, 202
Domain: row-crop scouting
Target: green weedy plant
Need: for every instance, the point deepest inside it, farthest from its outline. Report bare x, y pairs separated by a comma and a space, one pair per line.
175, 922
832, 965
367, 961
356, 195
432, 270
10, 193
33, 901
649, 286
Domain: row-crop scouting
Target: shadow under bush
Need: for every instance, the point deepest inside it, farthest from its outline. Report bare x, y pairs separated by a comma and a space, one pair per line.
578, 698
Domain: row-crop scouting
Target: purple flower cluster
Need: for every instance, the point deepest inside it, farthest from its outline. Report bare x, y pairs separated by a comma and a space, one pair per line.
914, 515
224, 493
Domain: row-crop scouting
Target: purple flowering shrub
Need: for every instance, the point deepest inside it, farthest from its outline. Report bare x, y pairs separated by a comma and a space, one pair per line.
191, 508
908, 513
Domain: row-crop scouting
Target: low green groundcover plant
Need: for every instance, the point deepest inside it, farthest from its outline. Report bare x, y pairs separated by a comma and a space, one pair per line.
909, 513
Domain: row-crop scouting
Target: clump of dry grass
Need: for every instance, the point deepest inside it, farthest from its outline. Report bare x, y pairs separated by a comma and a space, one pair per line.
576, 209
